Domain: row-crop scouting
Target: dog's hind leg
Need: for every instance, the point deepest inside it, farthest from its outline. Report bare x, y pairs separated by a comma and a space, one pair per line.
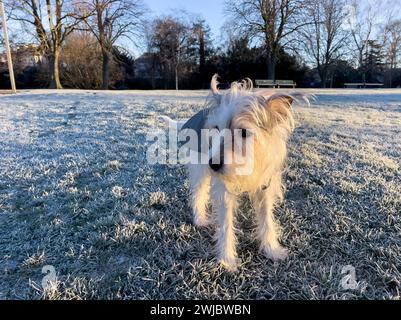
199, 179
268, 229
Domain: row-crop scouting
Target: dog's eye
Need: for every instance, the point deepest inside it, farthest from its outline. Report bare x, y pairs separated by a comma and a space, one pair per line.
245, 133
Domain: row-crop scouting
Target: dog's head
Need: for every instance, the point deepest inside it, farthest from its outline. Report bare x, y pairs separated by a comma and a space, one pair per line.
248, 134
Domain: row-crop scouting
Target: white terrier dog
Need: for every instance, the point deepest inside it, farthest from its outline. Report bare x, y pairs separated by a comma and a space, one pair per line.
266, 120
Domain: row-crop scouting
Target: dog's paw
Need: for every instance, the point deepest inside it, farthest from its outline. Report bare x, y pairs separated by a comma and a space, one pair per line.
230, 264
276, 253
201, 221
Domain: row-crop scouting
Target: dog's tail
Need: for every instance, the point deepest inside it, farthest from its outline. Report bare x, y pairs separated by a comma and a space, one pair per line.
172, 123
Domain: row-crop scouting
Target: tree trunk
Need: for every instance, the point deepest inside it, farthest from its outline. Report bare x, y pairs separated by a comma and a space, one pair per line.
176, 77
362, 67
54, 60
271, 66
152, 72
323, 78
324, 82
105, 69
202, 60
152, 78
364, 76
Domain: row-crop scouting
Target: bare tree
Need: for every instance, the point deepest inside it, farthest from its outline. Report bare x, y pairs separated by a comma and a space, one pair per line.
52, 21
153, 64
113, 20
172, 38
392, 45
325, 38
81, 61
201, 32
361, 21
272, 21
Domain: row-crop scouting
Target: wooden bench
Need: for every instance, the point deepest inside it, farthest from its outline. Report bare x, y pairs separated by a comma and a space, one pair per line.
265, 83
275, 84
285, 83
363, 85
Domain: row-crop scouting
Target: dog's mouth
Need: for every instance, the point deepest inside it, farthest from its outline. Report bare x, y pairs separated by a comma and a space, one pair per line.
232, 173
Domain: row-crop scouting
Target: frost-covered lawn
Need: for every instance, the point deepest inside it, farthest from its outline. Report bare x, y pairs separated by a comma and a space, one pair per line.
76, 193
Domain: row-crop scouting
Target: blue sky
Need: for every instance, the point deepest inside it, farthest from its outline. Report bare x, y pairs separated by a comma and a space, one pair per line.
210, 10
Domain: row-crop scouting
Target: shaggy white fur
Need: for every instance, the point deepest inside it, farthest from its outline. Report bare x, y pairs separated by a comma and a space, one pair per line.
265, 122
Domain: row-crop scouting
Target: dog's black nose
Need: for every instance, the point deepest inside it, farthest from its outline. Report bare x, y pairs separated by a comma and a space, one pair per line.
215, 166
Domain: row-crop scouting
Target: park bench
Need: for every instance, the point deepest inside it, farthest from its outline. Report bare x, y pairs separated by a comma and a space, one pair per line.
285, 83
265, 83
275, 84
360, 85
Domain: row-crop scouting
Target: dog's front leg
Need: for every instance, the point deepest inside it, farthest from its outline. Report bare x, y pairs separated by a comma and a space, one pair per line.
267, 226
226, 204
199, 178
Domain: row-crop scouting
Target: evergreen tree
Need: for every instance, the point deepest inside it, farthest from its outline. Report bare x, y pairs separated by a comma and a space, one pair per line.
373, 62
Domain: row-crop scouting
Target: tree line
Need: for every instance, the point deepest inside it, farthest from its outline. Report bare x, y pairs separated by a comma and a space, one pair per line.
316, 43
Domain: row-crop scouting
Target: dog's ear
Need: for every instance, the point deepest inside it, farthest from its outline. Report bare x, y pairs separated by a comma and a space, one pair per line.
213, 87
213, 84
280, 105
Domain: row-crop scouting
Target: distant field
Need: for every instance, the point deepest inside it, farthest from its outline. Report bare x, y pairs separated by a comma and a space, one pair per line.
76, 193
